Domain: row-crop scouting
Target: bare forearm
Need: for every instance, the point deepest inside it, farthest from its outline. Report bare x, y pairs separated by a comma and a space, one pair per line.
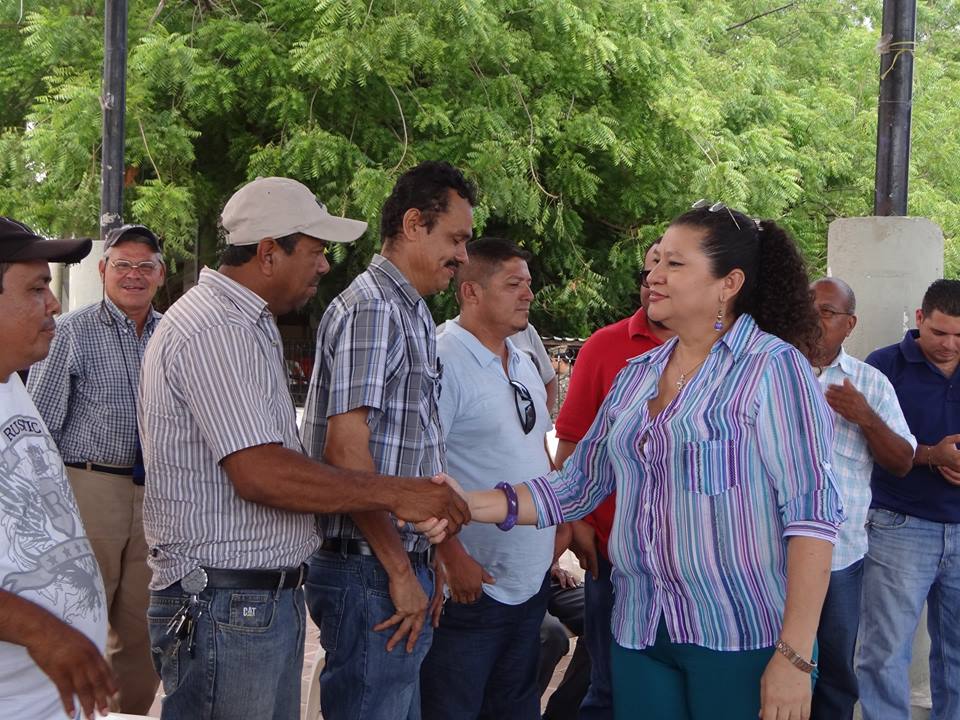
565, 449
275, 476
808, 575
889, 450
490, 506
21, 621
379, 530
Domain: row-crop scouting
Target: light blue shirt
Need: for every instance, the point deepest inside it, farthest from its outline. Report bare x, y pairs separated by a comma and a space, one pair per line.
852, 459
486, 445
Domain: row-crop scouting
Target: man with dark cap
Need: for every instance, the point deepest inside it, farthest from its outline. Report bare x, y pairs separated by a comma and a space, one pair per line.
52, 608
86, 392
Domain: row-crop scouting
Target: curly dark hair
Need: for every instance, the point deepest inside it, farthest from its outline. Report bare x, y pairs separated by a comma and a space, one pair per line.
424, 187
776, 288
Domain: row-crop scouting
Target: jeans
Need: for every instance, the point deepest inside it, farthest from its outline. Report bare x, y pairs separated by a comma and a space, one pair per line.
836, 693
247, 660
909, 560
483, 663
347, 595
598, 596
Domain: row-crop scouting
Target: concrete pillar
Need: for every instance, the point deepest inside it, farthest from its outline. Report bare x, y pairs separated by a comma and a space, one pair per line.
85, 286
889, 262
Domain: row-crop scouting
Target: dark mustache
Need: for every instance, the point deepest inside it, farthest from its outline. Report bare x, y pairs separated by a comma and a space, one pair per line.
455, 264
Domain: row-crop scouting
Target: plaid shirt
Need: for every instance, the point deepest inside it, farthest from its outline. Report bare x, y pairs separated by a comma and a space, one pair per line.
852, 460
376, 348
86, 387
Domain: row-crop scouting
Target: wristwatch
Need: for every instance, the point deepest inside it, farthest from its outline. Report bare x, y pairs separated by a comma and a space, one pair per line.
794, 657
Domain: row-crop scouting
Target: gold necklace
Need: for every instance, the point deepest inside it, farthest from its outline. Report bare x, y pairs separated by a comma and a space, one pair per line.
683, 375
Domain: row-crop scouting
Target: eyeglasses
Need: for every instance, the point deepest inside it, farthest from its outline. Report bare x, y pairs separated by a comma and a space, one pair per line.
826, 313
704, 204
125, 267
527, 415
644, 274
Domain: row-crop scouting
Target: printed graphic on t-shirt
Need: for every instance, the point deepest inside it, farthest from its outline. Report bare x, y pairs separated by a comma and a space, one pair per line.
43, 535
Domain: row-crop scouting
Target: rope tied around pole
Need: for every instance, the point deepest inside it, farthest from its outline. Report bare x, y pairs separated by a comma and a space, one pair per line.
900, 47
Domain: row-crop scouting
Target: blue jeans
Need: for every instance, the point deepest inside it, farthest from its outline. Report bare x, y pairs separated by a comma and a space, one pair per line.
909, 560
484, 660
598, 596
248, 657
347, 595
835, 693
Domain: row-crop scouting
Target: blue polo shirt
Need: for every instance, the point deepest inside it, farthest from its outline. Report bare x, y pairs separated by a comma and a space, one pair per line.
931, 405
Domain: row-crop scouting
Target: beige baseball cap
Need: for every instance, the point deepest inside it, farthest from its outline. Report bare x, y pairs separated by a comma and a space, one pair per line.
275, 206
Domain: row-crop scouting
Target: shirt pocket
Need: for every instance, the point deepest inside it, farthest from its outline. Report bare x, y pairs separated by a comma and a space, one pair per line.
710, 467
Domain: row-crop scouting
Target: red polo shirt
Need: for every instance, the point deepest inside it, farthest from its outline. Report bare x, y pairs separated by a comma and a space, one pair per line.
602, 356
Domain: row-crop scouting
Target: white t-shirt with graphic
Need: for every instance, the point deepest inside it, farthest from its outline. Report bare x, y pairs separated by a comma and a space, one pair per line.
44, 553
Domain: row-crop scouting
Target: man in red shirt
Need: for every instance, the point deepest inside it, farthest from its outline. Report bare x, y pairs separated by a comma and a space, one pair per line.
602, 356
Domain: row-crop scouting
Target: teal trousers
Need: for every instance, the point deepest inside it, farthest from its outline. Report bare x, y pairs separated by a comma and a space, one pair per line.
677, 681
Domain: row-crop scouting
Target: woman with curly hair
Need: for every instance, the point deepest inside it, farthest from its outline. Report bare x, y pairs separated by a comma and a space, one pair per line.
718, 445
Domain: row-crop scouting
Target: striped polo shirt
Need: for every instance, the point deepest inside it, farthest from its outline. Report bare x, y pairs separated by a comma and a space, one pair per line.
213, 382
707, 491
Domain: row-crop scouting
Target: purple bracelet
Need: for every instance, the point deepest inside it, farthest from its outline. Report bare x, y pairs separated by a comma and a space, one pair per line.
513, 506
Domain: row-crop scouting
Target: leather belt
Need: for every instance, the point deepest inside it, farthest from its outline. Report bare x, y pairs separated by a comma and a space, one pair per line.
280, 579
351, 546
94, 467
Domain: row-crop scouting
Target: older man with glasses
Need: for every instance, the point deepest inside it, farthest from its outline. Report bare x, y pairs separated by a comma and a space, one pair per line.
86, 392
869, 428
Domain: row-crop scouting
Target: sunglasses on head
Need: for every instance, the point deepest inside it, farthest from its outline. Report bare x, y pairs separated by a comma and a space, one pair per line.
714, 207
527, 413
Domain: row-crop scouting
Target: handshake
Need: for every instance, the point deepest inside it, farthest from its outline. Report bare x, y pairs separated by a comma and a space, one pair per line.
437, 507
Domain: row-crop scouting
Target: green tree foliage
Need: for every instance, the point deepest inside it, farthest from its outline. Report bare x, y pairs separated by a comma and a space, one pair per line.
586, 124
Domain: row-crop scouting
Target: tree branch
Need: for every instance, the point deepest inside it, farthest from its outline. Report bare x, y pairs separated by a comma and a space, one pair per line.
763, 14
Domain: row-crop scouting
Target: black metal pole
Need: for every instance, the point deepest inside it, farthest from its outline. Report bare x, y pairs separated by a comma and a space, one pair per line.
113, 101
894, 109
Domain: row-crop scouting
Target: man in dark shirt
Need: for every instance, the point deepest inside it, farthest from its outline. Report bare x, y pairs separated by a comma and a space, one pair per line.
914, 522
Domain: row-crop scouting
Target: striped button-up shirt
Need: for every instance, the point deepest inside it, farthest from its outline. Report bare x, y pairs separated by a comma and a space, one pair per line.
852, 460
376, 348
707, 491
214, 382
86, 388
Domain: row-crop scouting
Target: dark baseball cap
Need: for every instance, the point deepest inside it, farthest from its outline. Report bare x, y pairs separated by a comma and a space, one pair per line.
18, 243
135, 233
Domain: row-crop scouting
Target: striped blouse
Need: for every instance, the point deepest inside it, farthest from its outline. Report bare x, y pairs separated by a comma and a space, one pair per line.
707, 491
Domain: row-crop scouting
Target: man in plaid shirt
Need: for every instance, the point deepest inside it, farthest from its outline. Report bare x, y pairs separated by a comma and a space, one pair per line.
372, 405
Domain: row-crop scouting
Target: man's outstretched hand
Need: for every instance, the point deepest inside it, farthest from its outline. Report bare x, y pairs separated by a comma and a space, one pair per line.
436, 507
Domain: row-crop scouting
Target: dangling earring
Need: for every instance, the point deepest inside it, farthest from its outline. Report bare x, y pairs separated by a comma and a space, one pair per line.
718, 325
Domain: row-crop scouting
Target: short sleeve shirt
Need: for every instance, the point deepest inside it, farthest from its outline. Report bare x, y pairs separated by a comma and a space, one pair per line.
44, 553
214, 383
852, 460
931, 405
377, 348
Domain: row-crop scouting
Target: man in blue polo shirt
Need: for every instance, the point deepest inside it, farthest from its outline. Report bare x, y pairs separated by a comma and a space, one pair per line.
484, 658
913, 525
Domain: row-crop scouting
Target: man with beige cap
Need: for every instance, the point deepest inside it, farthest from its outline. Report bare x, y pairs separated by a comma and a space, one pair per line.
230, 497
